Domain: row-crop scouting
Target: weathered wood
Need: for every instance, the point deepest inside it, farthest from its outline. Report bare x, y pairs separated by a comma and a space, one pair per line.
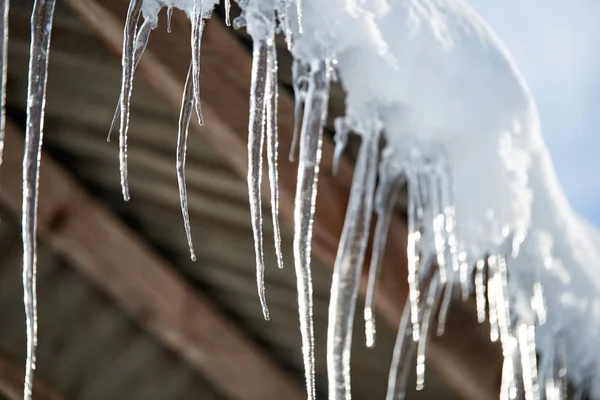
12, 378
114, 258
463, 355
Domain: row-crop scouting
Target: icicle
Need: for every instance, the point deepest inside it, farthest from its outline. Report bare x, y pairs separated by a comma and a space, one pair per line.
433, 296
141, 41
133, 15
41, 28
311, 137
386, 198
492, 301
508, 384
498, 264
415, 212
255, 151
464, 276
299, 81
526, 337
348, 267
228, 12
341, 139
272, 143
559, 373
185, 115
197, 29
170, 18
438, 225
445, 307
403, 356
480, 290
4, 6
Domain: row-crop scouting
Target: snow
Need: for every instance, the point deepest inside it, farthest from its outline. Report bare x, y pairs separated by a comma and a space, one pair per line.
462, 132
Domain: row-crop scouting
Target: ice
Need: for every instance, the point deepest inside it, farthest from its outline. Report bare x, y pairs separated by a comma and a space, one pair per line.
4, 7
141, 41
128, 63
255, 150
41, 29
385, 201
272, 86
348, 266
310, 140
403, 357
169, 18
434, 292
197, 18
227, 12
526, 337
187, 105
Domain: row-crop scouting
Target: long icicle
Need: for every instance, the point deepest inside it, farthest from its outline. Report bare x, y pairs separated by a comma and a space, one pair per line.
434, 292
273, 144
526, 338
311, 138
41, 28
197, 30
133, 16
255, 151
141, 41
386, 198
480, 290
185, 115
415, 212
4, 6
402, 358
348, 267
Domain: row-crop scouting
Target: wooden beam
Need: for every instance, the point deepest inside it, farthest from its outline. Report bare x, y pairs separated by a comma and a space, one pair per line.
117, 260
463, 355
12, 377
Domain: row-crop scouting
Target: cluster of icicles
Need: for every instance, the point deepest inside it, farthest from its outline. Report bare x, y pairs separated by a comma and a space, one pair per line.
437, 267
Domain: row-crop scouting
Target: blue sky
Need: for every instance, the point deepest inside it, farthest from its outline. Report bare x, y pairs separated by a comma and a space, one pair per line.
556, 44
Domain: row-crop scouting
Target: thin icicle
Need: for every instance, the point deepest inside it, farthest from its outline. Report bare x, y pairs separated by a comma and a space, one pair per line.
141, 41
41, 28
508, 383
197, 29
431, 304
170, 18
255, 150
498, 264
526, 337
480, 290
4, 6
445, 307
185, 115
492, 301
464, 277
228, 12
415, 213
402, 358
311, 138
273, 144
348, 267
133, 16
439, 222
386, 198
299, 82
